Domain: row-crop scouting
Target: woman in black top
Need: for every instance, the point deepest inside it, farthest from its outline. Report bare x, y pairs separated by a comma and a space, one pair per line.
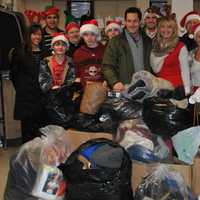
24, 75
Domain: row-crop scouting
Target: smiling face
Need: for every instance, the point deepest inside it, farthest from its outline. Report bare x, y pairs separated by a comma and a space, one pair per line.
132, 22
190, 24
112, 33
151, 21
168, 29
59, 48
36, 38
90, 39
52, 21
74, 35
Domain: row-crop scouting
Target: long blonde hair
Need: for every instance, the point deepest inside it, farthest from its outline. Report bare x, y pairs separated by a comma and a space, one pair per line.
158, 46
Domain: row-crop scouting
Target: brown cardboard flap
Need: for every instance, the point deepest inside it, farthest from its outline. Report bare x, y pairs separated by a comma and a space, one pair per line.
79, 137
196, 176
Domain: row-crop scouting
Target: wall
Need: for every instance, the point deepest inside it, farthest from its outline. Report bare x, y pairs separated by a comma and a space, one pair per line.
112, 8
103, 8
181, 7
142, 4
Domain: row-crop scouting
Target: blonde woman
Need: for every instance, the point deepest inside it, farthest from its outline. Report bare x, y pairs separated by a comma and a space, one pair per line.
169, 57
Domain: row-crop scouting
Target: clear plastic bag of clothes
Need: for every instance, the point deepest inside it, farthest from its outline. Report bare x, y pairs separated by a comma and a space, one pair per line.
144, 85
164, 118
140, 143
51, 149
164, 183
98, 170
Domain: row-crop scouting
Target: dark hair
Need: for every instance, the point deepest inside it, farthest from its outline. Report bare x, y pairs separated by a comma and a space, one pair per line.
33, 28
133, 10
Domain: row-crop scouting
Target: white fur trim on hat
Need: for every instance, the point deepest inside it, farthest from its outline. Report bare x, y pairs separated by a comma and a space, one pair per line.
113, 26
191, 17
59, 38
91, 28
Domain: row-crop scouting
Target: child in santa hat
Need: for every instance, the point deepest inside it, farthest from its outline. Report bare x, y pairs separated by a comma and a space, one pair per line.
189, 20
73, 34
88, 58
56, 76
51, 16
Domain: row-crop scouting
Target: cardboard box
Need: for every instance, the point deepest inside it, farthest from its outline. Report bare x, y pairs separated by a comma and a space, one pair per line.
140, 170
196, 176
79, 137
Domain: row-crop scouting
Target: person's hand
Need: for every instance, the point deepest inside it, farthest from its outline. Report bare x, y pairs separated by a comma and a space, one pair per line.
105, 84
55, 87
118, 87
78, 80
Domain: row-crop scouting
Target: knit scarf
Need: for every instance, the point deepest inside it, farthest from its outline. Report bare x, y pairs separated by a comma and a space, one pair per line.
161, 49
58, 71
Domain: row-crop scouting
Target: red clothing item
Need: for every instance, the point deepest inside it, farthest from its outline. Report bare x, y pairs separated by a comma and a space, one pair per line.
58, 71
171, 69
88, 63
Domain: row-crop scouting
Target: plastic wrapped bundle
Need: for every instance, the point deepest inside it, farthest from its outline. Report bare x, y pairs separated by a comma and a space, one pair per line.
140, 143
98, 170
122, 108
164, 184
164, 118
144, 85
24, 175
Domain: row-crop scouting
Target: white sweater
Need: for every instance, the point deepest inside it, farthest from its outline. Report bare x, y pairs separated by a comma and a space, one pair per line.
157, 63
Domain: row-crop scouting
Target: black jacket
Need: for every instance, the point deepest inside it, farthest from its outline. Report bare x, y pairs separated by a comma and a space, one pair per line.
24, 75
189, 42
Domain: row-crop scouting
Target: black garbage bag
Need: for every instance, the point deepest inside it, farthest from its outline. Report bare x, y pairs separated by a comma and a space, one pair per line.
20, 182
178, 93
164, 118
122, 108
98, 170
100, 122
61, 107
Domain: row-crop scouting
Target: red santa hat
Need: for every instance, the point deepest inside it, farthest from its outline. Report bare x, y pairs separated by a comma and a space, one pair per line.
51, 11
114, 24
189, 16
72, 25
91, 27
59, 37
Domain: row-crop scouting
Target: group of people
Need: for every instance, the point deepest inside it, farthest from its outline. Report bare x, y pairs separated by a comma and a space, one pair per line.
53, 60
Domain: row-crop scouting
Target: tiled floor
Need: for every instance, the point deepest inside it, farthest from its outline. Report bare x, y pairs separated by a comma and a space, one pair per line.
4, 167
